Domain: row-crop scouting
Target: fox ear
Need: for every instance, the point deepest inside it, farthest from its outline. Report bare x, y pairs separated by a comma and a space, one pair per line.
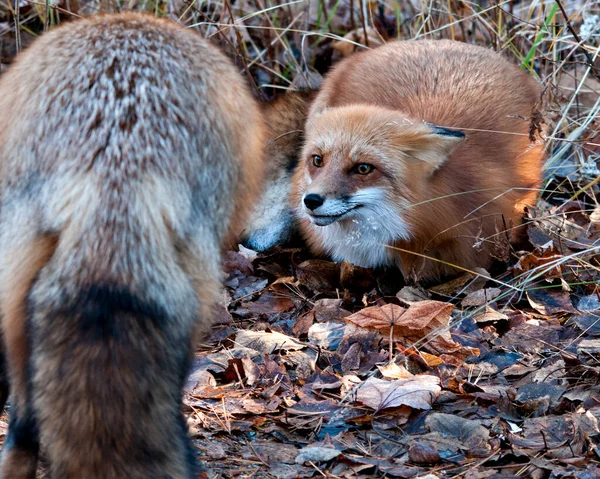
438, 130
435, 145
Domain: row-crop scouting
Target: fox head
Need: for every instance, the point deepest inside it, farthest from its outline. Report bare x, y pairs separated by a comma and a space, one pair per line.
360, 168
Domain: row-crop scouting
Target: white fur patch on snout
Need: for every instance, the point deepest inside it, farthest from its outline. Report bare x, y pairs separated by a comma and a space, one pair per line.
361, 236
330, 207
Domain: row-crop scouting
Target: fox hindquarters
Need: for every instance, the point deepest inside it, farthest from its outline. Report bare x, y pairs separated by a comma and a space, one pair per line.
125, 166
417, 154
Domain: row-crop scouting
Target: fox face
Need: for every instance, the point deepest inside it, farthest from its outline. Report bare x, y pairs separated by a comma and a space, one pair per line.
361, 169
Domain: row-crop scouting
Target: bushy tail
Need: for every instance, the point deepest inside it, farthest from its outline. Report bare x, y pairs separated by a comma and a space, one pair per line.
106, 321
108, 367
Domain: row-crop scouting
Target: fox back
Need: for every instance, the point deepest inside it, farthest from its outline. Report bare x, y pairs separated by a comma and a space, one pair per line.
125, 167
418, 153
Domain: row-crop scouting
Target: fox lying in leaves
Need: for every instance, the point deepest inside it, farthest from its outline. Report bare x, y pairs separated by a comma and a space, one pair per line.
418, 154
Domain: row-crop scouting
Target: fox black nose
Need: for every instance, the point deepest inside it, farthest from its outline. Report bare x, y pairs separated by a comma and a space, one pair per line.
313, 201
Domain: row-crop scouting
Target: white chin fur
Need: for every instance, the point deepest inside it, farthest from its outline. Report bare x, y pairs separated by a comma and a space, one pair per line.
322, 220
362, 237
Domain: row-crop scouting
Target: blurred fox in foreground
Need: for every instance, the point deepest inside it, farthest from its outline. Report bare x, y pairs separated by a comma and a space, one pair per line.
418, 149
125, 166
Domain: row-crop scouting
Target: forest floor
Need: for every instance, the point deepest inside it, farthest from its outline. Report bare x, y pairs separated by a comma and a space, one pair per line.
319, 369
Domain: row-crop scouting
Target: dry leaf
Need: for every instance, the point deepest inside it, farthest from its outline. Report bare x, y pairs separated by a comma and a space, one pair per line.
419, 453
550, 301
481, 297
464, 433
326, 335
269, 302
418, 392
355, 278
431, 359
394, 371
423, 319
376, 317
266, 342
316, 454
412, 294
319, 275
270, 452
248, 253
489, 315
329, 310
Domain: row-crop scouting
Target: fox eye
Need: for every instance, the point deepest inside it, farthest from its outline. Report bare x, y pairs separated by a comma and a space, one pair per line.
363, 168
317, 161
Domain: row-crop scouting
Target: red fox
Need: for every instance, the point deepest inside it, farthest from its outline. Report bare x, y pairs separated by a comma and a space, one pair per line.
418, 149
125, 166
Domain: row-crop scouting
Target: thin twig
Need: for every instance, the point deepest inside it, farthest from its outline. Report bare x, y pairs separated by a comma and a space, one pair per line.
588, 57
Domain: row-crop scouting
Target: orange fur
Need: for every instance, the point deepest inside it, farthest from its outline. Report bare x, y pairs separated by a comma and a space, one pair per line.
447, 198
21, 266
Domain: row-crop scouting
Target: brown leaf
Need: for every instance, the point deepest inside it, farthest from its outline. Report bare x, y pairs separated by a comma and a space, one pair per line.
355, 278
421, 315
418, 392
251, 371
489, 315
260, 406
376, 317
248, 286
464, 283
270, 452
303, 323
589, 323
431, 359
589, 346
221, 316
481, 297
269, 303
329, 310
322, 381
464, 433
266, 342
351, 360
327, 335
537, 398
316, 454
394, 371
302, 361
412, 294
198, 378
589, 303
424, 319
248, 253
233, 261
550, 301
319, 275
423, 454
534, 338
